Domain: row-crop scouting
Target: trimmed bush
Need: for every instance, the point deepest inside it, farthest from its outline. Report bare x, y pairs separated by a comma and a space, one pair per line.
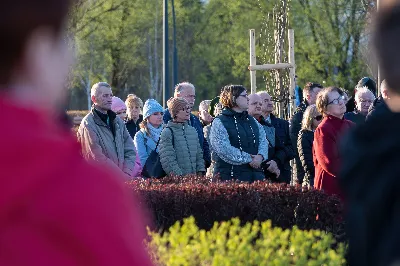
173, 199
253, 244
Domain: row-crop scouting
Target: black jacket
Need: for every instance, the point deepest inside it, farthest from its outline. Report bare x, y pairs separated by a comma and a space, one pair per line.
133, 127
276, 153
377, 108
304, 148
282, 131
295, 126
370, 179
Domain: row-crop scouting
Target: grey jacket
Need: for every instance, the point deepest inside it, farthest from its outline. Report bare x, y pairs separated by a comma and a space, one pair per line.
99, 144
184, 156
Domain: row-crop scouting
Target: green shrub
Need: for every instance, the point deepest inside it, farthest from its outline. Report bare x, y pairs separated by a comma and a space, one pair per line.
228, 243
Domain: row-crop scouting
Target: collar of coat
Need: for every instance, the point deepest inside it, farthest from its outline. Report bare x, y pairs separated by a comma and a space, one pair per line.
230, 112
97, 119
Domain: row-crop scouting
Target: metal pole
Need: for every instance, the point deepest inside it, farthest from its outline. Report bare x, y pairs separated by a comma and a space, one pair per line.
166, 58
253, 61
292, 71
175, 55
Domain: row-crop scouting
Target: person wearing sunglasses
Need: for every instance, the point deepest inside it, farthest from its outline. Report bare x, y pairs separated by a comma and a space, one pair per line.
311, 120
331, 104
364, 98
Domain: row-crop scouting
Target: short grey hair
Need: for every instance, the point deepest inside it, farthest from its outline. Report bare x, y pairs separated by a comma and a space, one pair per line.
204, 105
363, 91
263, 92
95, 88
183, 85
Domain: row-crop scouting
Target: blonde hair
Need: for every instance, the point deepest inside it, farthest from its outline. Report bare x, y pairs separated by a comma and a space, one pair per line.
309, 115
132, 100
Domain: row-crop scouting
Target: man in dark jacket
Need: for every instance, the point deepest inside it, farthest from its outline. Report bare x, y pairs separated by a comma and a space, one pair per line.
379, 106
310, 92
282, 132
187, 91
370, 174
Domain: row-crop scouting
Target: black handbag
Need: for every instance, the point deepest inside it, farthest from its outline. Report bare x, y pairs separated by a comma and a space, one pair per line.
153, 168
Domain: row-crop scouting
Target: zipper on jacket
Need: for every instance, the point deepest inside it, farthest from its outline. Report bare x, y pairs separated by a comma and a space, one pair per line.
187, 145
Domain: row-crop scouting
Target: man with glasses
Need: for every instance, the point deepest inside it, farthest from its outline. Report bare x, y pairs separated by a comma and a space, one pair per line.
187, 91
363, 98
310, 92
103, 135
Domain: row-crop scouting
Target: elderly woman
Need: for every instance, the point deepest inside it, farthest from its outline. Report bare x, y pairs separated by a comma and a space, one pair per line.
179, 147
312, 118
150, 130
364, 98
134, 108
238, 141
330, 103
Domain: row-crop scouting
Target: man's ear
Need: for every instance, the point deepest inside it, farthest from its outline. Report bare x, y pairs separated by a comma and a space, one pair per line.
93, 98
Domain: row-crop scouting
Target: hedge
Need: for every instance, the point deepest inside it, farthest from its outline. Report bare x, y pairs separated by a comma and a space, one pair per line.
253, 244
172, 199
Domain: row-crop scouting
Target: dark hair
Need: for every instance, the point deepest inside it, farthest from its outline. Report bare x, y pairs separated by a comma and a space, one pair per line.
309, 87
323, 99
229, 94
386, 39
369, 83
19, 20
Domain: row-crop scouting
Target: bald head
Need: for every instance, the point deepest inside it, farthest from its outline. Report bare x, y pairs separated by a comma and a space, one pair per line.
267, 103
255, 105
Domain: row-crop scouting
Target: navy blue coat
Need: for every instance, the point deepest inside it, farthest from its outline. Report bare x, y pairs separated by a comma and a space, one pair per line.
195, 122
282, 131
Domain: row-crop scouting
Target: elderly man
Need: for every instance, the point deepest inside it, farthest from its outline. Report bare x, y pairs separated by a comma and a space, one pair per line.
363, 99
103, 135
187, 91
285, 153
310, 92
379, 106
276, 153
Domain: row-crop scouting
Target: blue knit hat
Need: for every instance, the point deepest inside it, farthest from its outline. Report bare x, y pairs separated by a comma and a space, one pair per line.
150, 107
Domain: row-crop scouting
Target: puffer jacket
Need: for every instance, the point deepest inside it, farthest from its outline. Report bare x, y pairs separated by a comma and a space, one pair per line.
99, 143
304, 148
182, 154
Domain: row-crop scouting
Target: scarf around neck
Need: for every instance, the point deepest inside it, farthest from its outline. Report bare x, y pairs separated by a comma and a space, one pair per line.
155, 132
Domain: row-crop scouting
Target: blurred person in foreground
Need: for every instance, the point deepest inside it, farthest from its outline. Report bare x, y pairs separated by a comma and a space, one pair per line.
363, 99
103, 135
55, 208
371, 172
327, 136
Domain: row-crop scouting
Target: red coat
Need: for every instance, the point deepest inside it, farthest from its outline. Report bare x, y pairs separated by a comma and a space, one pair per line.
55, 208
326, 153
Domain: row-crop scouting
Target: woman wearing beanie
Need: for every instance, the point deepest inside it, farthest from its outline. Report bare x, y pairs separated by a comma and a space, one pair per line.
150, 129
238, 141
179, 147
118, 107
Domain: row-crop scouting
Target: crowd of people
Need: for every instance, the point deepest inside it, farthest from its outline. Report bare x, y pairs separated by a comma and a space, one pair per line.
235, 135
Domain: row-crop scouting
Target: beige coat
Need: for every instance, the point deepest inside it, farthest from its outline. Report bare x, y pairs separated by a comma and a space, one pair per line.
98, 143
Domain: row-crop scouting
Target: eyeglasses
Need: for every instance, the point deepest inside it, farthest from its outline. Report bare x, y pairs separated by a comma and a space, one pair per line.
318, 117
121, 112
337, 101
185, 109
243, 95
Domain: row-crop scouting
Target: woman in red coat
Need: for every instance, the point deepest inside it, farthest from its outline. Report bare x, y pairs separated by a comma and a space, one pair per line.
331, 104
